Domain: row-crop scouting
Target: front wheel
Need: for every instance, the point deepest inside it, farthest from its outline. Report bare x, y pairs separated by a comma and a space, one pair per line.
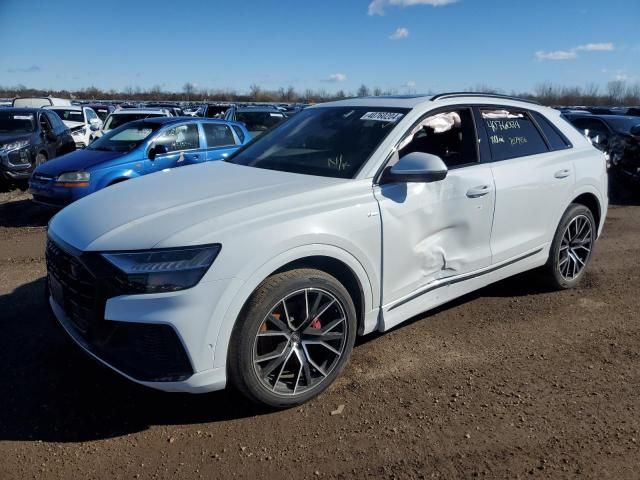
572, 247
293, 338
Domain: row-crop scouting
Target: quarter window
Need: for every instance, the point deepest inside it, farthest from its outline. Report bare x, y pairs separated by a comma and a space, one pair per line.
556, 140
239, 133
512, 134
218, 135
450, 135
182, 137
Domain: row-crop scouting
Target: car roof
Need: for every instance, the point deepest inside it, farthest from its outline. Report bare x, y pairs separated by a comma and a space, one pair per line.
138, 110
412, 101
65, 107
170, 120
22, 110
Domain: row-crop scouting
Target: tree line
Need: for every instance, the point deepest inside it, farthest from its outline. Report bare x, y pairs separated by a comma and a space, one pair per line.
615, 93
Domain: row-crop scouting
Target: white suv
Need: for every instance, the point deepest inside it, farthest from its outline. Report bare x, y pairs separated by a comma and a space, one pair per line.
349, 218
83, 122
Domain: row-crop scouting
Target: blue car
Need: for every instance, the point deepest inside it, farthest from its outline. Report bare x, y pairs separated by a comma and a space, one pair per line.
132, 150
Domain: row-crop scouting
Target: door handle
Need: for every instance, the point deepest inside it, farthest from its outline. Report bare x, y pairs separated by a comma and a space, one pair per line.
562, 173
477, 192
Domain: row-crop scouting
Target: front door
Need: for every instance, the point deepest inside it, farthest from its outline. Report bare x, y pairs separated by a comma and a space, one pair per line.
183, 147
431, 231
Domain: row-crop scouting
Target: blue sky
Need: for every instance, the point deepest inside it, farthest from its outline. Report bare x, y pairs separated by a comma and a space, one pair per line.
406, 45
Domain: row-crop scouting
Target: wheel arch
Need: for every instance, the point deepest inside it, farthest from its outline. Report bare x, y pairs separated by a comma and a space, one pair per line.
328, 258
592, 202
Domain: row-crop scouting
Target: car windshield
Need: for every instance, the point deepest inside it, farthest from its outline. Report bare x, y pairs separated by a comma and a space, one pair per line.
623, 125
327, 141
118, 119
125, 138
258, 122
69, 115
12, 122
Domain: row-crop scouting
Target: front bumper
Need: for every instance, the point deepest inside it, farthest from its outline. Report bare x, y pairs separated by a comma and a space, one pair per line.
16, 165
164, 341
45, 191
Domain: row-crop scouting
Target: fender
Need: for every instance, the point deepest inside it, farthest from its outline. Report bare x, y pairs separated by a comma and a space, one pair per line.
222, 331
602, 202
121, 173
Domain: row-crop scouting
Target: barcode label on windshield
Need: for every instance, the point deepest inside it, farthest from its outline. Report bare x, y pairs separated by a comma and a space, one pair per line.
382, 116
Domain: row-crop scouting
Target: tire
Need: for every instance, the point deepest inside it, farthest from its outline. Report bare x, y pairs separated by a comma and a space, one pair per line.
569, 258
279, 361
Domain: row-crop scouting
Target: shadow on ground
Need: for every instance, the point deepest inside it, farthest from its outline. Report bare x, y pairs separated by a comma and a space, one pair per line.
54, 392
24, 213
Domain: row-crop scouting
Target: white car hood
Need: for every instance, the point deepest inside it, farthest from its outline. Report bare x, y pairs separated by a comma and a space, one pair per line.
72, 124
180, 205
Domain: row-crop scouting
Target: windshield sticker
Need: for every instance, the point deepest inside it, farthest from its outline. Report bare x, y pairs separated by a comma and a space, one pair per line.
23, 117
382, 116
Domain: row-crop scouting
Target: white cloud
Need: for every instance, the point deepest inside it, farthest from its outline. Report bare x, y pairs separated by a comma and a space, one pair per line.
621, 77
409, 84
336, 77
376, 7
572, 53
596, 47
557, 55
400, 33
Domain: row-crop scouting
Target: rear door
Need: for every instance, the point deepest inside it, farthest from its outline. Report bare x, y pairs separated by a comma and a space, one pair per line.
221, 140
533, 182
432, 231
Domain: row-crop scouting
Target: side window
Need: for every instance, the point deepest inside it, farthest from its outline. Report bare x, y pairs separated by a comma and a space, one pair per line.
45, 122
182, 137
512, 134
218, 135
594, 126
556, 139
90, 115
239, 133
450, 135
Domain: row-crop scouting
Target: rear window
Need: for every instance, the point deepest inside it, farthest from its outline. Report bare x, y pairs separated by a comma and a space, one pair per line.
557, 141
117, 120
69, 115
512, 134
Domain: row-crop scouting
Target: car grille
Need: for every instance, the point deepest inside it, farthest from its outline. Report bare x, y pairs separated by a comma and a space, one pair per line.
78, 284
145, 352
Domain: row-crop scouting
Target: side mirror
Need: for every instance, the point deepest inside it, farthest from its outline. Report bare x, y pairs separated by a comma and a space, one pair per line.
157, 150
94, 127
417, 167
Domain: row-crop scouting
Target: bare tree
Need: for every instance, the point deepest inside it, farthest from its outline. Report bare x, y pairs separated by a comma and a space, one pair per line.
363, 91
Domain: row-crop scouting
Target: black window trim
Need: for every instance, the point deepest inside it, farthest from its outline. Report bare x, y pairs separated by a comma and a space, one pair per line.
490, 159
430, 113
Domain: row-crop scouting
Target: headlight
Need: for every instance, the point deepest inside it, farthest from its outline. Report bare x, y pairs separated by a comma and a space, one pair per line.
80, 131
14, 145
74, 177
163, 270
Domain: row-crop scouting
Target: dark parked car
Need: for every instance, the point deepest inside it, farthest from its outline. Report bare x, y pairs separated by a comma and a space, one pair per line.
617, 135
29, 137
257, 119
214, 110
102, 110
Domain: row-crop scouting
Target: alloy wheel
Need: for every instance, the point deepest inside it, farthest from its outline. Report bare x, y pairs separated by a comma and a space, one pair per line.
300, 342
575, 249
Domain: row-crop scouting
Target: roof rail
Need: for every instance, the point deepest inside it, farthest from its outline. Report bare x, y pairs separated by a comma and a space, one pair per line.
480, 94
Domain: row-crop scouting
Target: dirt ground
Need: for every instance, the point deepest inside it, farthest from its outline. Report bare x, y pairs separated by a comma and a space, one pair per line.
513, 381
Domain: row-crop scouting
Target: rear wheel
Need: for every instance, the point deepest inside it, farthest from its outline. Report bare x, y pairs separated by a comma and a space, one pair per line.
293, 339
572, 247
